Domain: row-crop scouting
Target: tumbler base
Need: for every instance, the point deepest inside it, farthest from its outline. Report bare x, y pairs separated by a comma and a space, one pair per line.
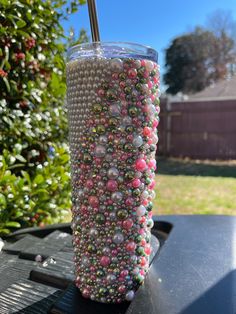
72, 301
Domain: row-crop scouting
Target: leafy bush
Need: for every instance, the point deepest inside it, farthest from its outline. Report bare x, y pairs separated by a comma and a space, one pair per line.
34, 168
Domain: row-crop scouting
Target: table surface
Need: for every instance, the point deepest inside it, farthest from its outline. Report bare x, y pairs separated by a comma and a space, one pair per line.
194, 271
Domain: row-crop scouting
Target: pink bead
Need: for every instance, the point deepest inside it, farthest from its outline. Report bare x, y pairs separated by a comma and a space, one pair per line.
121, 289
112, 185
141, 231
92, 268
152, 97
140, 164
114, 252
148, 249
129, 201
152, 185
143, 242
145, 74
115, 76
143, 261
132, 73
142, 220
84, 209
85, 293
155, 80
155, 123
127, 224
89, 183
142, 272
143, 63
105, 261
101, 92
122, 84
150, 85
93, 201
136, 183
124, 273
147, 131
131, 246
152, 163
145, 202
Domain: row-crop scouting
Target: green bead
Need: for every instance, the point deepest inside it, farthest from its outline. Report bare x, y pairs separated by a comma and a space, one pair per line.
133, 111
113, 122
153, 90
157, 102
78, 228
129, 129
111, 95
100, 273
111, 291
140, 251
122, 76
138, 86
127, 90
129, 175
136, 192
105, 85
97, 108
100, 129
153, 73
138, 238
141, 72
129, 161
102, 291
100, 219
122, 214
149, 206
89, 282
110, 149
90, 139
143, 81
128, 147
144, 101
87, 158
138, 279
110, 208
91, 248
152, 148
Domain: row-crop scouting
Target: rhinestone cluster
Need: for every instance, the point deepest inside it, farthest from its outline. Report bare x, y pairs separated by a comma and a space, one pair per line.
113, 111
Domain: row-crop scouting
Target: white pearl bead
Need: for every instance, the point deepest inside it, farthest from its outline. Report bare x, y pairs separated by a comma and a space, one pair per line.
140, 211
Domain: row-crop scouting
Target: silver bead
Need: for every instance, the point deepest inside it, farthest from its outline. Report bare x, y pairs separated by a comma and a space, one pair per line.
118, 238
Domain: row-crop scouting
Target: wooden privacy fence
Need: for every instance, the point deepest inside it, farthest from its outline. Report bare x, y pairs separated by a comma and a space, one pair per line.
198, 129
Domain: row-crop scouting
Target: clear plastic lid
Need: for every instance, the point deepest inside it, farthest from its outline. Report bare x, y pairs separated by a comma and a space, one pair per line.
112, 50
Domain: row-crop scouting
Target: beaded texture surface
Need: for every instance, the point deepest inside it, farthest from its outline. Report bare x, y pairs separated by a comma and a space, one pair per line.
113, 109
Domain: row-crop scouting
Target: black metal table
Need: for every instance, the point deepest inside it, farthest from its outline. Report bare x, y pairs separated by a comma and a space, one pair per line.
193, 272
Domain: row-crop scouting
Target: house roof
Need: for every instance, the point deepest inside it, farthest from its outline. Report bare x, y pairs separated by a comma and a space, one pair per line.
225, 89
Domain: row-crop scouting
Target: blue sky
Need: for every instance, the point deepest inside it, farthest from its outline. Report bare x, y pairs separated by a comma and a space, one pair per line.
151, 22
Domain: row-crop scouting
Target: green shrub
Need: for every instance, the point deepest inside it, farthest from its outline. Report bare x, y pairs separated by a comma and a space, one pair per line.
34, 168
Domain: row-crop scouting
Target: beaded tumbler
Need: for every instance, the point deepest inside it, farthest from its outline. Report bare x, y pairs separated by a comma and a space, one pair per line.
113, 107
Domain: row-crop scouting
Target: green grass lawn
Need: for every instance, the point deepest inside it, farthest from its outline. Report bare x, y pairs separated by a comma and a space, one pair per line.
188, 187
194, 187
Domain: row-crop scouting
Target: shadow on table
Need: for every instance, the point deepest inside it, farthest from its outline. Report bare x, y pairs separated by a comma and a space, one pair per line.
214, 300
195, 168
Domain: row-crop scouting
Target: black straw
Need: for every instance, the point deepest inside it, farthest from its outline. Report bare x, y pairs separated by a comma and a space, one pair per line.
93, 20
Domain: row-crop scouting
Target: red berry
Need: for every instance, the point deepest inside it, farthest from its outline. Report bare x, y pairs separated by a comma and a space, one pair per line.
3, 73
